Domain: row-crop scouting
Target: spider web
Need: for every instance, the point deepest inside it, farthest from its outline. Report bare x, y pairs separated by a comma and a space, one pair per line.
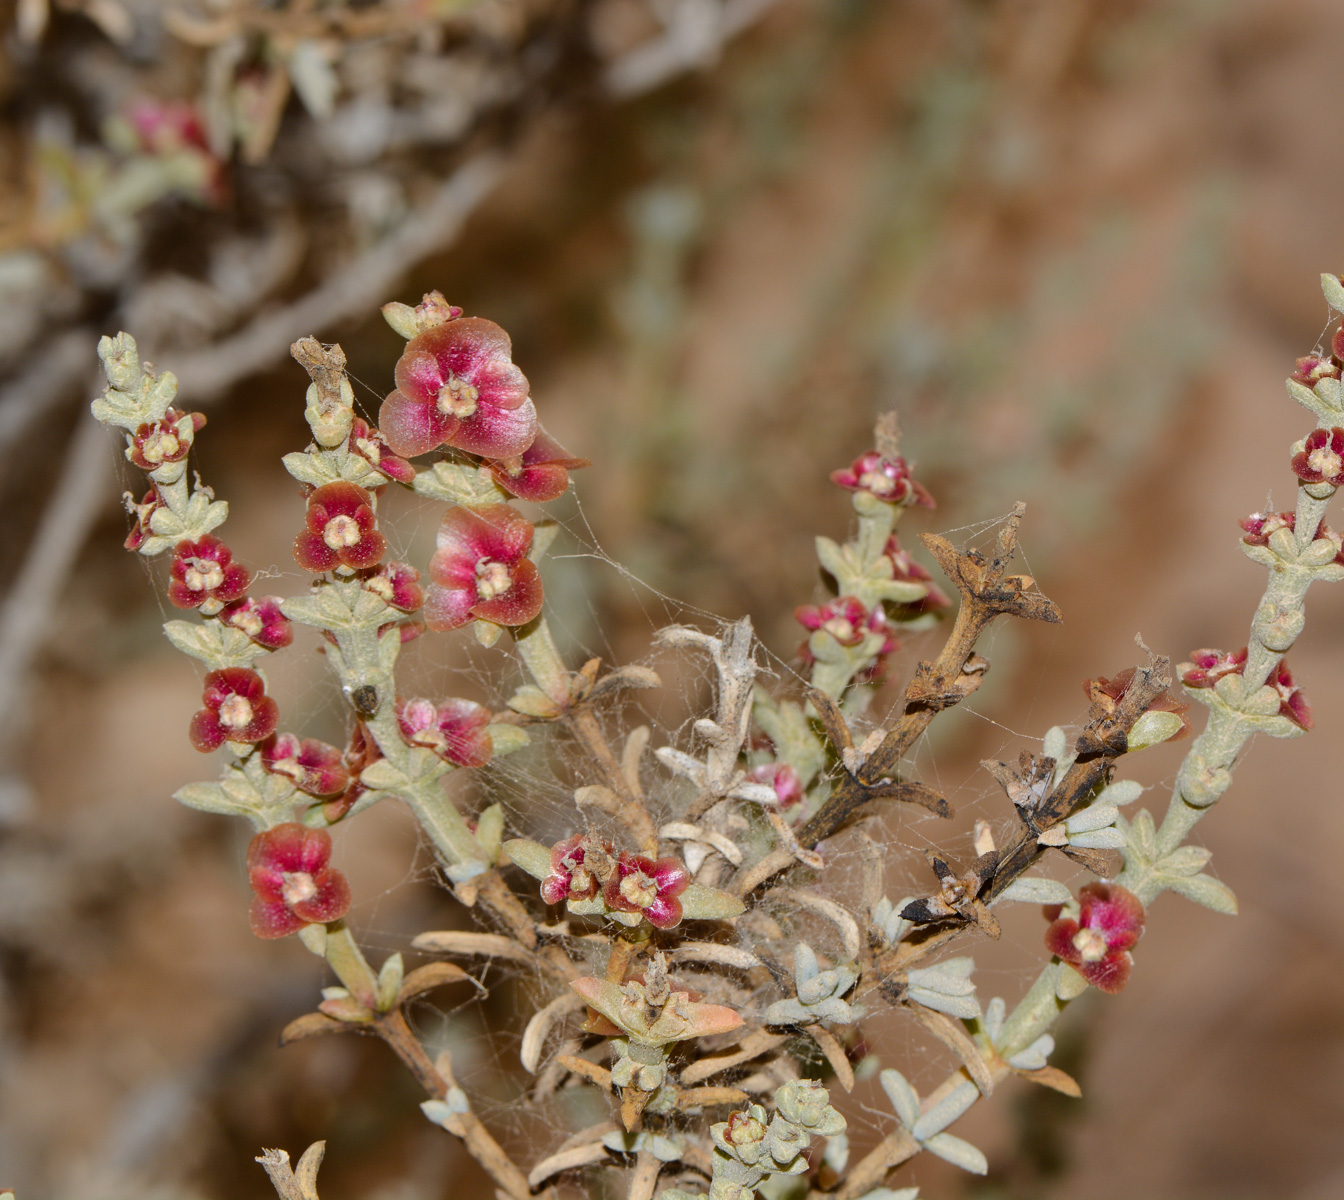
535, 787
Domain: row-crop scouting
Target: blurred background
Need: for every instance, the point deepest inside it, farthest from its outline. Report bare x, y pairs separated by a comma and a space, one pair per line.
1075, 242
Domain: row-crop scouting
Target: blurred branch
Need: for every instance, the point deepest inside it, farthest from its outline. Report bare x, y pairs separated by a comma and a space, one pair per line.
695, 35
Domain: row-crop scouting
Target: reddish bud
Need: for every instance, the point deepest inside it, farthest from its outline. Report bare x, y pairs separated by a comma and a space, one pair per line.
315, 767
454, 730
888, 479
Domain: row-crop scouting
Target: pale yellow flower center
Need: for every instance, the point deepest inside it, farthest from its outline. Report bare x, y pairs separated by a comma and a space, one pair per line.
457, 397
298, 887
1325, 461
202, 574
160, 445
877, 482
1090, 945
492, 579
639, 889
235, 712
341, 532
840, 628
247, 620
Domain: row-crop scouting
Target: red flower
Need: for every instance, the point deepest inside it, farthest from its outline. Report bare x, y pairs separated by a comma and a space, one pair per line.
204, 575
570, 879
457, 386
371, 446
481, 569
261, 620
1321, 459
1110, 921
1292, 703
844, 618
154, 444
398, 585
454, 730
342, 530
783, 778
640, 885
140, 531
1206, 667
888, 479
287, 867
905, 569
315, 767
1313, 367
237, 709
541, 472
1258, 526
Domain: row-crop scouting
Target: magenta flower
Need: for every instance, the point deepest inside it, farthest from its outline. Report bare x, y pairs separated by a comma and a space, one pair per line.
640, 885
454, 730
541, 472
1292, 703
905, 569
1313, 368
481, 569
845, 618
287, 867
261, 620
204, 575
1321, 459
888, 479
315, 767
1110, 921
783, 778
371, 446
570, 879
457, 386
398, 584
342, 530
140, 531
154, 444
1206, 667
237, 709
1258, 526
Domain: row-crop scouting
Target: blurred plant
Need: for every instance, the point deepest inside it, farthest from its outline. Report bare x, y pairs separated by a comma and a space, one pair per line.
707, 932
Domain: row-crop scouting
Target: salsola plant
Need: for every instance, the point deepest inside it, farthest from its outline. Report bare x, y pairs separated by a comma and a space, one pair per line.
697, 961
